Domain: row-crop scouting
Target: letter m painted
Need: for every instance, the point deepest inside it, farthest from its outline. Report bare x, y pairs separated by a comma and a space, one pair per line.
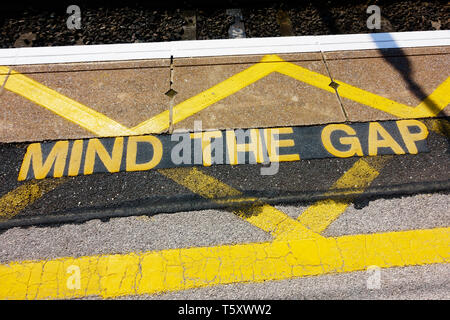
56, 158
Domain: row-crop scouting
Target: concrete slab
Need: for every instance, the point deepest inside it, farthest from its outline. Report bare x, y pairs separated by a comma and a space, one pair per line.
23, 120
127, 92
273, 100
257, 94
405, 75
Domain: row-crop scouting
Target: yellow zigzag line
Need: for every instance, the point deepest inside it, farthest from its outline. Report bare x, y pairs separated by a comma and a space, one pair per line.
103, 126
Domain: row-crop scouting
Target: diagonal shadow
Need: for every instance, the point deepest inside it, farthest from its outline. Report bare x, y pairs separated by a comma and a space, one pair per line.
398, 59
389, 50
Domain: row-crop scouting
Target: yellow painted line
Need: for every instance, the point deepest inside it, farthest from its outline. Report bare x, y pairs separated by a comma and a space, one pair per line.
435, 102
227, 264
263, 216
322, 213
398, 109
305, 75
63, 106
375, 101
154, 272
430, 107
18, 199
210, 96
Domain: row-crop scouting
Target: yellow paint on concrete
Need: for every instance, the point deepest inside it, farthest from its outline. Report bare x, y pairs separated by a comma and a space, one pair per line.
63, 106
304, 75
435, 102
18, 199
103, 126
322, 213
440, 98
261, 215
430, 107
208, 97
154, 272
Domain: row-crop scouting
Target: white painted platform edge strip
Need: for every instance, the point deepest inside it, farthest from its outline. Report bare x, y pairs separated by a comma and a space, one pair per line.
222, 47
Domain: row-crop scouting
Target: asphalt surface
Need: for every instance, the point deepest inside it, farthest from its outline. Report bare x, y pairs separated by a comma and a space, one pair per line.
103, 196
216, 227
140, 232
410, 283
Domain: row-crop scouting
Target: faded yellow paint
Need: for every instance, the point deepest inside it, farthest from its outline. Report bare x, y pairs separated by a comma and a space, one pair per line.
261, 215
322, 213
154, 272
18, 199
440, 126
63, 106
